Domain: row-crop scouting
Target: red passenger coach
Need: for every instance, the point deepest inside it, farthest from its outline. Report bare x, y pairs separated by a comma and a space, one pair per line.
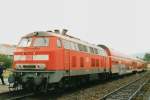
123, 64
47, 59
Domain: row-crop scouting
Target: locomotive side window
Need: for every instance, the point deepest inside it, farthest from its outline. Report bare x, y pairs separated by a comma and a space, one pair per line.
73, 47
91, 50
25, 42
76, 46
95, 51
82, 47
85, 48
101, 52
41, 42
66, 44
88, 49
59, 43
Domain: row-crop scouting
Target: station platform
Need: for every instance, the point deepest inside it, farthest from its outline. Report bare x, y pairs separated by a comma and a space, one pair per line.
4, 88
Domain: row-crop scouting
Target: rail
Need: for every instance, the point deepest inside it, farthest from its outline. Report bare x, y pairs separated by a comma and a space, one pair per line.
127, 92
15, 95
21, 96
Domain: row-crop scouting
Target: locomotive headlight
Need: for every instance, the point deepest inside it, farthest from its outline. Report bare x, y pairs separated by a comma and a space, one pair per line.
31, 66
19, 67
41, 66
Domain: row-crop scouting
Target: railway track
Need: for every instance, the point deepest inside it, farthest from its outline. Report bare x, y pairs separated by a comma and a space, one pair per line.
16, 95
128, 91
21, 96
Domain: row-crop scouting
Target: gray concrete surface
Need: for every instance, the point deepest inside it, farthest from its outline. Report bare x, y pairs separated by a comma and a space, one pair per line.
5, 80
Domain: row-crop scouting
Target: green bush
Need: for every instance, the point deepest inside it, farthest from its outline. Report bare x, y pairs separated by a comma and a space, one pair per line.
147, 57
7, 60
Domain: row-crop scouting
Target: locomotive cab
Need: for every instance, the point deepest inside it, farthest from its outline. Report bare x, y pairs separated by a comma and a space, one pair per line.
31, 53
37, 58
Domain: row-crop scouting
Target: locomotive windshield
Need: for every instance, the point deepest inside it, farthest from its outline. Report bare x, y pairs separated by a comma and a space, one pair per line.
41, 42
25, 42
37, 42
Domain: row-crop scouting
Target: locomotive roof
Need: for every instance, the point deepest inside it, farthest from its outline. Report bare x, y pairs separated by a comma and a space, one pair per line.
65, 37
76, 40
39, 33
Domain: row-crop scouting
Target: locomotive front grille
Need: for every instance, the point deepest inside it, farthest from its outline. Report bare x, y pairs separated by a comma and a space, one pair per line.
29, 66
32, 66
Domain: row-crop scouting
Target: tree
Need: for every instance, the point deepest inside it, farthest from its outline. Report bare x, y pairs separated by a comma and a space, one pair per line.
147, 57
6, 60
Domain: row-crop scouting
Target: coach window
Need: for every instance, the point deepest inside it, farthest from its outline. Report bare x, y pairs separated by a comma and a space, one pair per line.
59, 43
103, 53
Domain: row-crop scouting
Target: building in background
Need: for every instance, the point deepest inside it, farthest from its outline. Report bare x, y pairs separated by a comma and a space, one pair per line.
6, 49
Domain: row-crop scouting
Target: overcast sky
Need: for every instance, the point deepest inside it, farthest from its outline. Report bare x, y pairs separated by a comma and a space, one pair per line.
121, 24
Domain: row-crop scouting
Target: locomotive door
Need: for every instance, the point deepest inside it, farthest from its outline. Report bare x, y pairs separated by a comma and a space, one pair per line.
66, 45
106, 64
67, 60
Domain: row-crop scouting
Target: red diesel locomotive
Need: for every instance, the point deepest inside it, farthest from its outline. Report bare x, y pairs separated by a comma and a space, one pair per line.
45, 60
